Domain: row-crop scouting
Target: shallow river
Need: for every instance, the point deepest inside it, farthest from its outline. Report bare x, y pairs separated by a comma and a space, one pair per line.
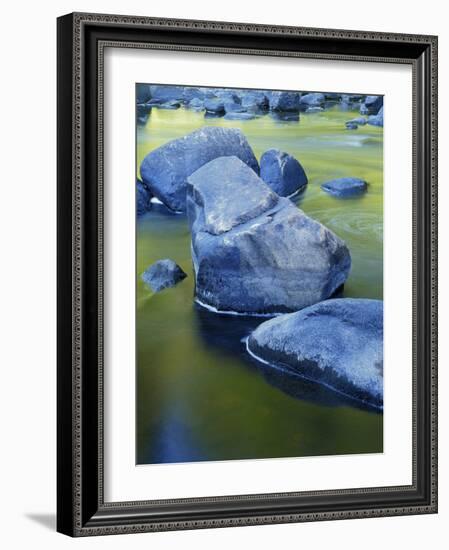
200, 397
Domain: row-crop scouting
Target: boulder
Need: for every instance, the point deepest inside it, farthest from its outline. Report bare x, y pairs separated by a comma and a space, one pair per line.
311, 100
260, 254
285, 117
143, 198
345, 187
167, 93
351, 125
371, 105
338, 343
282, 172
284, 101
166, 169
163, 274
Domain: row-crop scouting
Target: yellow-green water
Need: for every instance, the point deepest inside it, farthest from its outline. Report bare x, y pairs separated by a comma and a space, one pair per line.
199, 395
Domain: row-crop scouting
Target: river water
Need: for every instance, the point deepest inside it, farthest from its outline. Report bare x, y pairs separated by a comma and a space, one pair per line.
199, 395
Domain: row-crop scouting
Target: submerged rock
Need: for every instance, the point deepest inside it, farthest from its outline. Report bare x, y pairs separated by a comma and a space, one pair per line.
163, 274
345, 187
371, 105
166, 169
282, 172
338, 343
239, 116
255, 252
143, 198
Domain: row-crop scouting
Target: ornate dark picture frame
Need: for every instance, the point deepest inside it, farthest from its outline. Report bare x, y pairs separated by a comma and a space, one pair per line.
81, 509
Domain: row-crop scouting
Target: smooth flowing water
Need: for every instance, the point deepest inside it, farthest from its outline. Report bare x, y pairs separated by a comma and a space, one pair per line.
199, 395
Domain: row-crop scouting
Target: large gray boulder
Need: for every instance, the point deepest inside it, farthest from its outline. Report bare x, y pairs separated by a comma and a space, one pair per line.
163, 274
282, 172
255, 252
166, 169
338, 343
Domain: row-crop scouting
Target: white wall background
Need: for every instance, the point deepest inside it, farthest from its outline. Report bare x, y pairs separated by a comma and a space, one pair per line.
27, 274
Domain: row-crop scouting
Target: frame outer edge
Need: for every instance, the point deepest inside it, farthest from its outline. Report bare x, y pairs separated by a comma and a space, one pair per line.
75, 527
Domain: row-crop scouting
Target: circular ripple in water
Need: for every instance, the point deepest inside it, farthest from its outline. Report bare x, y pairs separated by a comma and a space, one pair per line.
354, 223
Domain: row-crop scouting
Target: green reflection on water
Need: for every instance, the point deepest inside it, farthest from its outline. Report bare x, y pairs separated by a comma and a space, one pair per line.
199, 398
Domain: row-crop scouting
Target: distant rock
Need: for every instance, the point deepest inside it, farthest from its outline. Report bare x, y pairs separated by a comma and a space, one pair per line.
234, 107
143, 93
371, 105
143, 198
171, 105
255, 101
282, 172
196, 104
345, 187
143, 111
360, 121
255, 252
314, 110
163, 274
311, 100
239, 116
163, 94
166, 169
377, 120
338, 343
284, 101
214, 107
191, 92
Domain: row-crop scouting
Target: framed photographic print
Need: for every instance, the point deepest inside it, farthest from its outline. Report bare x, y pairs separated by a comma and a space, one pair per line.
247, 277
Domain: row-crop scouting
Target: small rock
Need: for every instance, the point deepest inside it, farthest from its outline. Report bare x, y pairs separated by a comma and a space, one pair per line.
351, 125
345, 187
163, 274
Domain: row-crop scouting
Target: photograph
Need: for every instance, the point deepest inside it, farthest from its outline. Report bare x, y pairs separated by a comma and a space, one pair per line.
259, 273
